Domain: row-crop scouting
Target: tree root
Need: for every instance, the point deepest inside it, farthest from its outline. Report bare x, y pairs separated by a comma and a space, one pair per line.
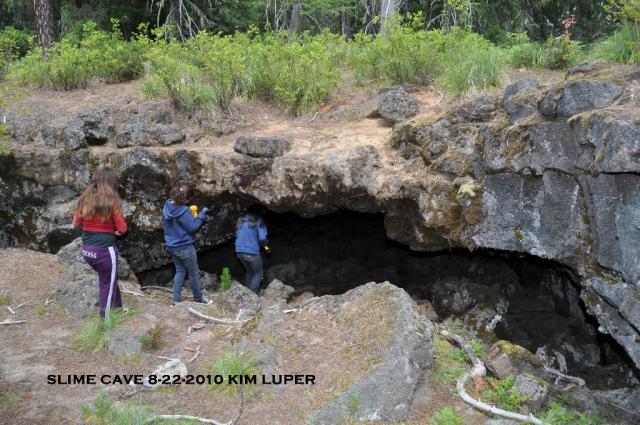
478, 370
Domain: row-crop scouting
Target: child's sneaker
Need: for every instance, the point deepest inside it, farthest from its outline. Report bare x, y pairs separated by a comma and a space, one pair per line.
202, 301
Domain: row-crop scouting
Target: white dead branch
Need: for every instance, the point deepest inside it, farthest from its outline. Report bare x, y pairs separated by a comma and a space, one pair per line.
478, 370
216, 320
198, 419
12, 322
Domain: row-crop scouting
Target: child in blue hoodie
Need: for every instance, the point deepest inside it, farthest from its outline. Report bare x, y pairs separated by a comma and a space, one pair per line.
251, 235
179, 228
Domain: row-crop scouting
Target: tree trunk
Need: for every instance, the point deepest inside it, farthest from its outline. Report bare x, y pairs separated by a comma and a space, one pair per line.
387, 10
346, 25
295, 19
44, 22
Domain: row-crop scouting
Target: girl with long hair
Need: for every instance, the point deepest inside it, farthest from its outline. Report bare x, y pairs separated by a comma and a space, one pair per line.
180, 225
251, 235
99, 215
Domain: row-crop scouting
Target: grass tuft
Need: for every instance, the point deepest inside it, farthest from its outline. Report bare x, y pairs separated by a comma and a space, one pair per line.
446, 415
93, 335
232, 364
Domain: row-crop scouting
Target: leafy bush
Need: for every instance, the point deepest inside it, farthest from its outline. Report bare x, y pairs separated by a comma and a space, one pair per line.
458, 60
14, 44
5, 299
93, 336
560, 53
559, 415
72, 63
623, 46
225, 279
446, 415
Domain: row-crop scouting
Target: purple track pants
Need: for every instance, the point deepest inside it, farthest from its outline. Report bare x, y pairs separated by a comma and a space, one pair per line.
105, 262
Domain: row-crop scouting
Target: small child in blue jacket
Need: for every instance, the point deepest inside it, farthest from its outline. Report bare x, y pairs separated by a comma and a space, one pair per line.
179, 227
251, 235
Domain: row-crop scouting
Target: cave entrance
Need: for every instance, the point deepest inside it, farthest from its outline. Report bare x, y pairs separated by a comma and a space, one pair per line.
537, 301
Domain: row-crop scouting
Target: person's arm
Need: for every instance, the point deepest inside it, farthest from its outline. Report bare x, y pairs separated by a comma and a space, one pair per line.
121, 224
262, 233
190, 223
77, 220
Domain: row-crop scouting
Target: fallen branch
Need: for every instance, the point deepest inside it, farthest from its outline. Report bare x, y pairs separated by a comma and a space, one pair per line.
215, 319
162, 288
18, 306
291, 310
478, 370
573, 379
128, 291
12, 322
47, 301
11, 310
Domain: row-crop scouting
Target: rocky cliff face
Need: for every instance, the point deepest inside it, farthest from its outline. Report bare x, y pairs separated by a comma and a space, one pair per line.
552, 171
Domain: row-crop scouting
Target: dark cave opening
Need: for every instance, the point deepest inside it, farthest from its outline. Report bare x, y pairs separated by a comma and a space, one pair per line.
532, 302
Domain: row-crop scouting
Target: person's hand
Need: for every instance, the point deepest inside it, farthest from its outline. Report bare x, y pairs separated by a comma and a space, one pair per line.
118, 233
205, 211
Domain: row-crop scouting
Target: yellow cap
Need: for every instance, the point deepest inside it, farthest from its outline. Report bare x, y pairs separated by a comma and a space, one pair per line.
194, 210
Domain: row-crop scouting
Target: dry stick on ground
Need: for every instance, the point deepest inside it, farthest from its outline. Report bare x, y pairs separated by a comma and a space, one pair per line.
128, 291
11, 310
573, 379
198, 419
216, 320
162, 288
478, 370
12, 322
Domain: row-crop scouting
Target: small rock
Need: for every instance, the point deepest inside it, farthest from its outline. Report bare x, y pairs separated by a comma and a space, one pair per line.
74, 136
97, 126
172, 367
262, 146
168, 134
518, 86
506, 359
239, 297
535, 389
579, 96
277, 291
397, 105
71, 256
129, 338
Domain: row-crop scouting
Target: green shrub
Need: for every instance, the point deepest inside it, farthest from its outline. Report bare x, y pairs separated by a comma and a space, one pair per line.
560, 53
559, 415
5, 299
504, 394
404, 55
41, 309
449, 363
71, 64
446, 415
225, 279
93, 336
353, 404
153, 340
14, 44
232, 364
623, 46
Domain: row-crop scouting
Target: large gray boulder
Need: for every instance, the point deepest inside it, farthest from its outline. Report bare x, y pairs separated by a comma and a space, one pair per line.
93, 127
579, 96
277, 291
78, 296
240, 299
505, 359
398, 105
262, 146
387, 391
518, 86
151, 125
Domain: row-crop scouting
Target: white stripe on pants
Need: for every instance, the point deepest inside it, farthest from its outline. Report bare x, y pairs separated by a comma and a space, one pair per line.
114, 267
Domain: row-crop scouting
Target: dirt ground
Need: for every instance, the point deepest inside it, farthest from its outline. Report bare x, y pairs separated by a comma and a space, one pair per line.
309, 343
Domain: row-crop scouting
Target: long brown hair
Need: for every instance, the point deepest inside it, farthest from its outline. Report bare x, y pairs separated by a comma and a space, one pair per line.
253, 214
100, 199
181, 194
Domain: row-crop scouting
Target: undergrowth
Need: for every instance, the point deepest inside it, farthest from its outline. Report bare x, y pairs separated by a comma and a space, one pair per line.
233, 364
446, 415
560, 415
504, 394
451, 362
93, 335
225, 279
5, 299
